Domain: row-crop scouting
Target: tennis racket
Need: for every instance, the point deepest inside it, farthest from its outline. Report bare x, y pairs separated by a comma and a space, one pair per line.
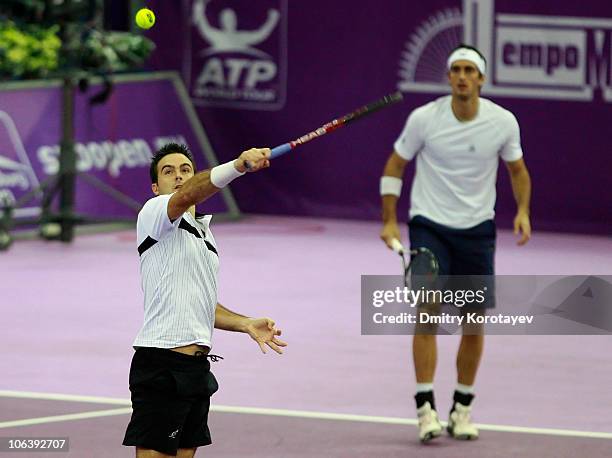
423, 263
337, 123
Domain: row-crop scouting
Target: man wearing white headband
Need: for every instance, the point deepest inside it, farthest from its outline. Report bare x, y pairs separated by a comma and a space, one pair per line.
457, 141
471, 55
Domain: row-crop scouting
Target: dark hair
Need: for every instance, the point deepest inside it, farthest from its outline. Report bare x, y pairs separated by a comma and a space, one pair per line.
463, 45
170, 148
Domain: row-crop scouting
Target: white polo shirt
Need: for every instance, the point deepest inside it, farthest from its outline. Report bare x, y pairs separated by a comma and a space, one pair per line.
456, 165
178, 268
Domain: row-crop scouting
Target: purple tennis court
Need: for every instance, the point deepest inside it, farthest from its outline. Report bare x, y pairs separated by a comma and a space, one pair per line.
501, 119
70, 313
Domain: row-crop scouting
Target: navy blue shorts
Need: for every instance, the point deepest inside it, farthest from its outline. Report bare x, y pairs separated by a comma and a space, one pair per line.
459, 251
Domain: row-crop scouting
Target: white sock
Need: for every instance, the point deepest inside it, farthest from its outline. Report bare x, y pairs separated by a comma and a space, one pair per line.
465, 389
424, 387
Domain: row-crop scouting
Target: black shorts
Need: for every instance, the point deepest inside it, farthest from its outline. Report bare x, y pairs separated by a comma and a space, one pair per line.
460, 252
170, 400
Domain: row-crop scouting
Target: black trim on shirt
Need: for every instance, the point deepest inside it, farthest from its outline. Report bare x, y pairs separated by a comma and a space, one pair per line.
211, 247
192, 230
146, 244
189, 228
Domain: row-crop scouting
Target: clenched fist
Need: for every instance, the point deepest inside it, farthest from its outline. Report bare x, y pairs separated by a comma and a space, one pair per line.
253, 160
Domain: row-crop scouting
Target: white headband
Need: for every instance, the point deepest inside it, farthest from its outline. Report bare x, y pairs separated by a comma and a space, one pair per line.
469, 55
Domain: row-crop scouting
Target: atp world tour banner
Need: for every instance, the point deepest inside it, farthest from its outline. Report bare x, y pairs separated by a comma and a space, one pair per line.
269, 71
114, 144
238, 65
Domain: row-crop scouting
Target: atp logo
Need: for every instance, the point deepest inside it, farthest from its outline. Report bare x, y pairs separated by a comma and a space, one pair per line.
528, 56
238, 54
17, 177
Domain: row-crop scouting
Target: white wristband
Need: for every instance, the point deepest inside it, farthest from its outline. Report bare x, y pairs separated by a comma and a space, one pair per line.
390, 185
224, 174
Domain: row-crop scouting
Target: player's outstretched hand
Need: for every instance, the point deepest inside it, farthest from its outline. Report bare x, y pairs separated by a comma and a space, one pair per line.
253, 160
263, 332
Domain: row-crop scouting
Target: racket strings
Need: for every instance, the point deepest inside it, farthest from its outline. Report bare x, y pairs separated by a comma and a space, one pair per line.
423, 263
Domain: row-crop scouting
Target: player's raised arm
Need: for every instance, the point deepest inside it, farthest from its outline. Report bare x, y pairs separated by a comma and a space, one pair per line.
203, 185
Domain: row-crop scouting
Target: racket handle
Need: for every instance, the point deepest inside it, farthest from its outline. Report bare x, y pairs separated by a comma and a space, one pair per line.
397, 246
274, 152
280, 150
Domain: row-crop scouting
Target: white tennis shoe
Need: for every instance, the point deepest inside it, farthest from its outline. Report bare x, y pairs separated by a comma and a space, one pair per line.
460, 424
429, 424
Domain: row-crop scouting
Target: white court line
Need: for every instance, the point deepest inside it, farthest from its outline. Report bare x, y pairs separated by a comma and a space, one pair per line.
63, 397
68, 417
278, 413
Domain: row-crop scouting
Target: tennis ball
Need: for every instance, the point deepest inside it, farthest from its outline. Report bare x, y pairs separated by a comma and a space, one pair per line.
145, 18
